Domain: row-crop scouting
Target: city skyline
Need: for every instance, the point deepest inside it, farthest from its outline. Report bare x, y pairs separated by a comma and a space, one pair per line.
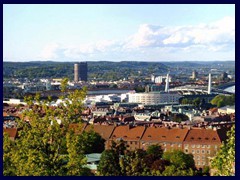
162, 32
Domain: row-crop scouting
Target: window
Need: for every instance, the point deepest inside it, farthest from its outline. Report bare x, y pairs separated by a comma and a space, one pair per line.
203, 151
203, 158
193, 151
186, 145
198, 146
186, 150
130, 142
215, 146
172, 145
198, 157
193, 145
203, 163
208, 151
179, 145
203, 146
208, 146
197, 151
136, 143
199, 163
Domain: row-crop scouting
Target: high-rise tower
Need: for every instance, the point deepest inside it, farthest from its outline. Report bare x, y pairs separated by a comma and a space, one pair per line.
76, 75
80, 71
209, 83
83, 71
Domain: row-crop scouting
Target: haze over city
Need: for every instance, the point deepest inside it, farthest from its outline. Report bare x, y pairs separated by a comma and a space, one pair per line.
162, 32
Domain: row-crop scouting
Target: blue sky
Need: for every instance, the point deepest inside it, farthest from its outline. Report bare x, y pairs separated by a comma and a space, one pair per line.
159, 32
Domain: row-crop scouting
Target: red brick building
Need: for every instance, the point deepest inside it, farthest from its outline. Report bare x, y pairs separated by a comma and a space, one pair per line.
203, 144
130, 134
168, 138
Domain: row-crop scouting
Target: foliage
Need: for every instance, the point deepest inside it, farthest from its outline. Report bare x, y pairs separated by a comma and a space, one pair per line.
180, 159
196, 102
109, 163
223, 100
45, 147
132, 163
155, 150
91, 142
186, 101
102, 70
173, 170
224, 161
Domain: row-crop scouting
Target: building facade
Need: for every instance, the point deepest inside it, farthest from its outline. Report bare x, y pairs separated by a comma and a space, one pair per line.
154, 98
80, 71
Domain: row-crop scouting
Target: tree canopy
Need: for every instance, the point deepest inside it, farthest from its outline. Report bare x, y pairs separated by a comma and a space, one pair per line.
224, 161
223, 100
46, 146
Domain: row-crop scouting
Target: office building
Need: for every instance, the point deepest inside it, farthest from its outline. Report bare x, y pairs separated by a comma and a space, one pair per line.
80, 71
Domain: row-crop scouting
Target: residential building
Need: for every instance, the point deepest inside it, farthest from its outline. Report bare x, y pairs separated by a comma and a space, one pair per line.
203, 144
131, 135
168, 138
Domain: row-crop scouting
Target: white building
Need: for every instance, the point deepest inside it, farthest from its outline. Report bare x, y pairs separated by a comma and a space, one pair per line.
226, 110
154, 98
161, 79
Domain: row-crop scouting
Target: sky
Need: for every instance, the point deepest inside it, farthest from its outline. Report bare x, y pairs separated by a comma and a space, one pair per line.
118, 32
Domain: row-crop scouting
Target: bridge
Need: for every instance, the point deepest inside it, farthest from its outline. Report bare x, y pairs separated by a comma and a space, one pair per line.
192, 90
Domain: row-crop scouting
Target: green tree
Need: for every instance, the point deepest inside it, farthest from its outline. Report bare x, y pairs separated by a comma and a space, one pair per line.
172, 170
223, 100
196, 102
224, 161
185, 101
109, 163
37, 151
180, 159
91, 142
8, 145
133, 164
155, 150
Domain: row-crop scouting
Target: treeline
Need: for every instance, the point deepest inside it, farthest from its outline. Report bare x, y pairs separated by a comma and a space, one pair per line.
118, 161
103, 70
223, 100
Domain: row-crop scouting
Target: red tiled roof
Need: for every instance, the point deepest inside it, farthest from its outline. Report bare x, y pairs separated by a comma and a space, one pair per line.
128, 133
164, 134
104, 131
207, 136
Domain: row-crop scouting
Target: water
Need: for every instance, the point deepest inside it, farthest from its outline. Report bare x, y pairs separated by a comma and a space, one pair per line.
109, 91
230, 89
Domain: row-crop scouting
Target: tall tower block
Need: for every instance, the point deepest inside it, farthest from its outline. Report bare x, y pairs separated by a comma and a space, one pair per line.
167, 83
209, 83
76, 74
83, 71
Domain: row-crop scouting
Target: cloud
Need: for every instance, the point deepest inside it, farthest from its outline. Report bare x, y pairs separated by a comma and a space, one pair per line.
53, 51
212, 37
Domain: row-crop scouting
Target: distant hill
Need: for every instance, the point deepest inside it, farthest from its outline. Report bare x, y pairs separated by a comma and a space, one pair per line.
106, 70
